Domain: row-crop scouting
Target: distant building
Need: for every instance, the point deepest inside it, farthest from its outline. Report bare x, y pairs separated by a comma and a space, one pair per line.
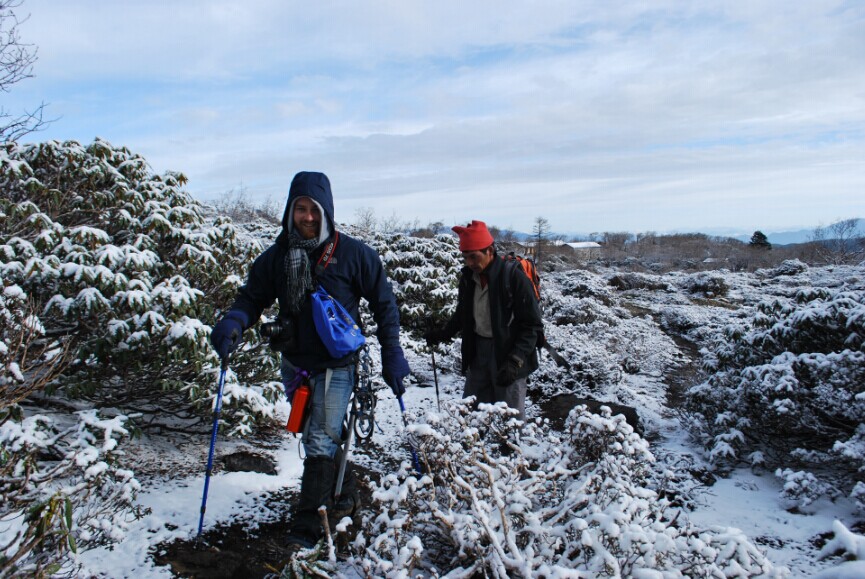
586, 249
582, 249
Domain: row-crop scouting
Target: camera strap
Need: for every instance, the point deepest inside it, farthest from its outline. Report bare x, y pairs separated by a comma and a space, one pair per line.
326, 255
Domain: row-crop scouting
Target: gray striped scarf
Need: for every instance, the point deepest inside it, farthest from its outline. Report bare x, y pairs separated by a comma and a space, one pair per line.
298, 270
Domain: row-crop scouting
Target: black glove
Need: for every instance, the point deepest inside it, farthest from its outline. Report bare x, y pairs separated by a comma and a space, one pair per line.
509, 372
435, 336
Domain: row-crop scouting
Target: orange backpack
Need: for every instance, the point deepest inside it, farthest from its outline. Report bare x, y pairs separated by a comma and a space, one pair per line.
527, 265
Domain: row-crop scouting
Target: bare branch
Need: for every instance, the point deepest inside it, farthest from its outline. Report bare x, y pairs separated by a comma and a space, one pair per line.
16, 64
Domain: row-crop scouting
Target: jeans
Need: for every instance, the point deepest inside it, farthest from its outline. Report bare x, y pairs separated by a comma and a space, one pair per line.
327, 410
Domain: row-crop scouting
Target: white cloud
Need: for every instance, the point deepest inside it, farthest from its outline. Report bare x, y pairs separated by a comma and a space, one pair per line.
594, 114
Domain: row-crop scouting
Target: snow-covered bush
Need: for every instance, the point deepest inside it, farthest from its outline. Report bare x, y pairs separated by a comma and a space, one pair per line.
62, 490
503, 501
792, 379
598, 337
635, 281
424, 272
28, 359
706, 283
787, 267
849, 544
591, 366
125, 265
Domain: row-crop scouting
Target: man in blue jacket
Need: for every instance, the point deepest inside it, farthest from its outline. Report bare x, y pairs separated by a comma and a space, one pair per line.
309, 252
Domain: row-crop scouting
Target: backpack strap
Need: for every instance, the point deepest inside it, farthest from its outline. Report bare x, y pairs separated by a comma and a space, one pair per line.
513, 266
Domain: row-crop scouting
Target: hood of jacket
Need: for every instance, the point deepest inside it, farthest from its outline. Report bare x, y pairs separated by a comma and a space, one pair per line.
316, 186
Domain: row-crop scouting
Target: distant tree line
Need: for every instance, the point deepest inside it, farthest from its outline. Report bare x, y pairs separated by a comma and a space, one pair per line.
842, 242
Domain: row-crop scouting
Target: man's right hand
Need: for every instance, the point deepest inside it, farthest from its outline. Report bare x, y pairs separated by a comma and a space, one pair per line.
227, 332
435, 336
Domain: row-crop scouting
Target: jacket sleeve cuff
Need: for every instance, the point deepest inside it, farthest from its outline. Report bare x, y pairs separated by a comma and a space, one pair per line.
239, 316
518, 360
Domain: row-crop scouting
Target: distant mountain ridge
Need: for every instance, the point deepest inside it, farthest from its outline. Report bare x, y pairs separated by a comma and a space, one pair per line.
785, 237
796, 236
782, 237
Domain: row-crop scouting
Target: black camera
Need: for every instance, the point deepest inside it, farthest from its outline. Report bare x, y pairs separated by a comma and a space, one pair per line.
272, 329
281, 333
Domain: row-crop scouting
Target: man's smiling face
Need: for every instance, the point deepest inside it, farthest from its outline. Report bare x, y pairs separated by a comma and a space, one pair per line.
307, 218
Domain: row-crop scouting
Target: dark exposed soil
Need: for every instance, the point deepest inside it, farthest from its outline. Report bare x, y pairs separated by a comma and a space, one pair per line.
227, 552
246, 550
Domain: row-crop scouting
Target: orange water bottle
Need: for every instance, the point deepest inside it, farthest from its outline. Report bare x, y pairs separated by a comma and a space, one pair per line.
298, 409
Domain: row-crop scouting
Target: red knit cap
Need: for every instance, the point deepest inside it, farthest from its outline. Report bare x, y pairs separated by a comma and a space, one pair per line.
474, 237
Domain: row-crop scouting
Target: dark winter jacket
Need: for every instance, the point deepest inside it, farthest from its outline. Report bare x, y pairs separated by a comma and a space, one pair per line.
514, 312
353, 272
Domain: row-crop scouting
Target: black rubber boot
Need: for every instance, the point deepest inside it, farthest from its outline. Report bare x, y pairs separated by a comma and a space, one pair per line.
316, 489
348, 497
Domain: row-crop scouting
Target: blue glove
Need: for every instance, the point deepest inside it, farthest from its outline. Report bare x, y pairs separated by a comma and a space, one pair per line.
394, 368
227, 332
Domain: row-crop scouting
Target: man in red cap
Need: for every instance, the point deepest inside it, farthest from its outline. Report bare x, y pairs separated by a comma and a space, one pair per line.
499, 320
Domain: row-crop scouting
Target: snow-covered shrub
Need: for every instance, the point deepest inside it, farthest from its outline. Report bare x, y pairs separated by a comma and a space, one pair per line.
706, 283
802, 488
792, 380
28, 359
697, 323
849, 544
424, 272
126, 265
503, 501
579, 312
62, 490
635, 281
591, 366
787, 267
598, 338
582, 284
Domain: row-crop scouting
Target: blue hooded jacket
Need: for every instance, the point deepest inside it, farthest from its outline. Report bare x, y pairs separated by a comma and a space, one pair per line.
354, 271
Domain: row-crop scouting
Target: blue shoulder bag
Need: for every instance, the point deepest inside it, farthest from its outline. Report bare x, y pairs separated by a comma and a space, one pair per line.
335, 326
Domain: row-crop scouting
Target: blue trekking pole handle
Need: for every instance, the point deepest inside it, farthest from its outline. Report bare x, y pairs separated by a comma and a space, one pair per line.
410, 445
224, 369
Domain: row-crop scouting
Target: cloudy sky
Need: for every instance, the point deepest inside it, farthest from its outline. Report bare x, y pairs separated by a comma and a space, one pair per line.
640, 116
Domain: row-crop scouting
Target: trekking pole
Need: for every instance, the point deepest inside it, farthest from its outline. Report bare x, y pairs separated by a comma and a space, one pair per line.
340, 477
410, 445
223, 370
436, 377
362, 391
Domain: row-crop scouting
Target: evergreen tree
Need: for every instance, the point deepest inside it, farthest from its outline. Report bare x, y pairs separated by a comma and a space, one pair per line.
760, 241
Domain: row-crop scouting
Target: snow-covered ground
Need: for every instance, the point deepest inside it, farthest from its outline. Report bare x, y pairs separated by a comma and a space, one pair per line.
623, 325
